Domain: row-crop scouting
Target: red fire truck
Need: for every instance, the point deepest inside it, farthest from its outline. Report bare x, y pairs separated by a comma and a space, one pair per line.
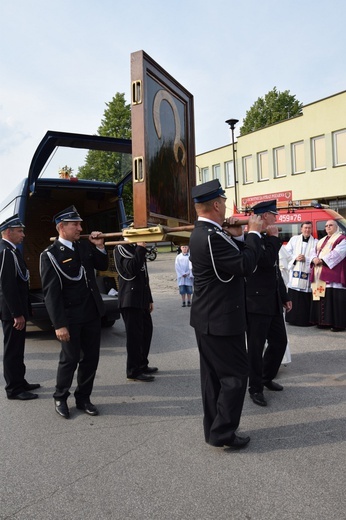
291, 216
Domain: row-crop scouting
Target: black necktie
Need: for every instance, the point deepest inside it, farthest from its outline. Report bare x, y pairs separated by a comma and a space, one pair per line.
76, 249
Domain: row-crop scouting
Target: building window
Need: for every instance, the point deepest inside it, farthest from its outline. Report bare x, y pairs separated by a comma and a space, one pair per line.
263, 172
339, 147
205, 175
298, 160
318, 151
216, 171
229, 174
247, 169
279, 162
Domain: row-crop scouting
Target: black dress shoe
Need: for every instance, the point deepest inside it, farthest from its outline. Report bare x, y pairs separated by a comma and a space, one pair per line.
32, 386
275, 387
141, 377
258, 398
336, 329
24, 396
62, 409
150, 370
237, 443
88, 408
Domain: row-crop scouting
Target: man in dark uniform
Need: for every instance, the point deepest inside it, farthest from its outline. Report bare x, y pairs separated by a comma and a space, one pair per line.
266, 296
218, 315
75, 307
136, 306
14, 309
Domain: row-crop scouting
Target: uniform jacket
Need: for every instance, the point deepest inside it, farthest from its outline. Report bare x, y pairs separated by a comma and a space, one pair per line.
14, 291
134, 288
265, 289
218, 307
68, 301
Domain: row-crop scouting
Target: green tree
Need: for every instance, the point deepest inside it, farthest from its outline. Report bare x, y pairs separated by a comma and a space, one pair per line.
110, 166
274, 107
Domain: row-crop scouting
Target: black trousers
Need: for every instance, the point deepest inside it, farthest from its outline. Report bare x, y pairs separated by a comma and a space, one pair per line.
139, 331
224, 374
83, 350
330, 310
13, 360
264, 367
299, 315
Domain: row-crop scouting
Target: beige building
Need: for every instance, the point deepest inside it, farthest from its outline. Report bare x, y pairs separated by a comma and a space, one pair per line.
299, 159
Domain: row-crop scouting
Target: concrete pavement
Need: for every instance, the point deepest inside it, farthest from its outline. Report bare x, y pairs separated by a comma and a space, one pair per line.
145, 457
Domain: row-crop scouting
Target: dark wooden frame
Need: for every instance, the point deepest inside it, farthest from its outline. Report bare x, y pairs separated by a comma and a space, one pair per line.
163, 146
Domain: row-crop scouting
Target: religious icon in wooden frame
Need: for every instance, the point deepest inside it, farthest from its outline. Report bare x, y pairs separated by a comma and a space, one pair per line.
163, 145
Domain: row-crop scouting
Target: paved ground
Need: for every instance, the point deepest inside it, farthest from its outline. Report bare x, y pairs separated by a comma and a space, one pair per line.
144, 457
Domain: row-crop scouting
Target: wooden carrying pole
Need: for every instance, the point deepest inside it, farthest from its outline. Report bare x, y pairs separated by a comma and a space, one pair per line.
165, 229
148, 234
152, 234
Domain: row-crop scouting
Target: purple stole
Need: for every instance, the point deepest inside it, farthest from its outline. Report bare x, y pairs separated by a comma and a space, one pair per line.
335, 275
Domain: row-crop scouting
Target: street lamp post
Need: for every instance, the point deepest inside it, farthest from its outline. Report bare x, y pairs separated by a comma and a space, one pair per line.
232, 123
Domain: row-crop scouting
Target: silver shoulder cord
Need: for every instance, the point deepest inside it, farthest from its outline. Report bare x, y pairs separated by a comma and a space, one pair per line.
2, 263
60, 271
125, 254
24, 277
230, 241
17, 268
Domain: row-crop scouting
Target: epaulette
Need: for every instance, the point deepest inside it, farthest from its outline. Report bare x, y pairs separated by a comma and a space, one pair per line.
48, 248
211, 229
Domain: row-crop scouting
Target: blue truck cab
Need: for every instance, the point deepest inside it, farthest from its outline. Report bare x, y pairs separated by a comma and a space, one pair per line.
36, 199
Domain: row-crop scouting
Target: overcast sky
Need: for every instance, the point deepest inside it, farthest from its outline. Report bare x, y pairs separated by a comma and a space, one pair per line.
60, 62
